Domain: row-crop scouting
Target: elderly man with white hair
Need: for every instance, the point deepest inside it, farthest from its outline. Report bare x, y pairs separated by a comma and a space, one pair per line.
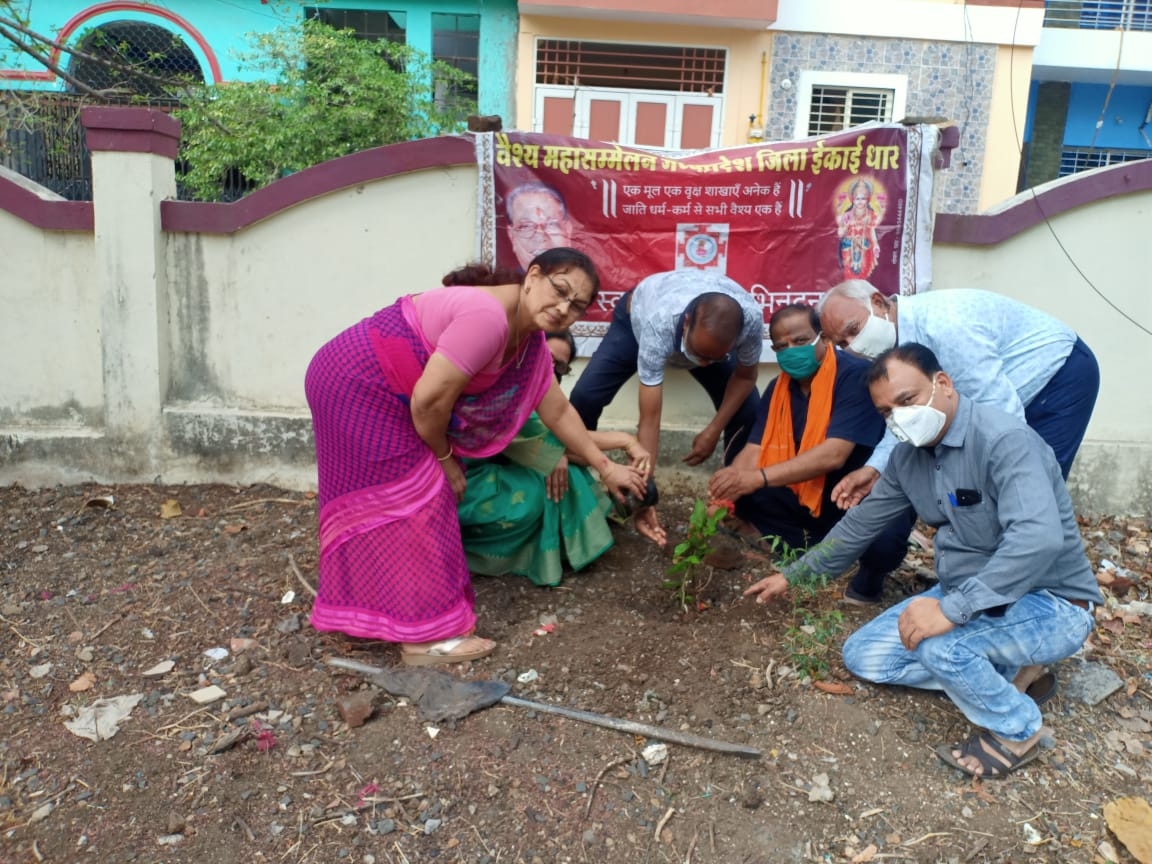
999, 351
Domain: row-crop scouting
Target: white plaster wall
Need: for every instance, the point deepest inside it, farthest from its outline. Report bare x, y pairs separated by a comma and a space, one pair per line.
50, 350
935, 20
1109, 243
250, 309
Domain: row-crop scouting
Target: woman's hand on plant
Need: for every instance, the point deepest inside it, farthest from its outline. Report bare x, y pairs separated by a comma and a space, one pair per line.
455, 474
556, 483
768, 588
639, 458
622, 479
648, 524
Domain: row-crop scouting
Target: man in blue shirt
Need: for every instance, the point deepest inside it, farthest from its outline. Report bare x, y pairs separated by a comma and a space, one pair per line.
999, 351
819, 427
697, 320
1016, 591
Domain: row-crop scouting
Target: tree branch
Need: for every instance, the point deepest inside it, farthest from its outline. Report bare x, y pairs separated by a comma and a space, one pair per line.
10, 24
48, 64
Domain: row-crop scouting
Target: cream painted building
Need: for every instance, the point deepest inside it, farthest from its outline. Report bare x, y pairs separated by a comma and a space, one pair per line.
682, 75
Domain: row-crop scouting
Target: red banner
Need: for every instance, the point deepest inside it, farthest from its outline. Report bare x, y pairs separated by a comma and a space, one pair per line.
787, 220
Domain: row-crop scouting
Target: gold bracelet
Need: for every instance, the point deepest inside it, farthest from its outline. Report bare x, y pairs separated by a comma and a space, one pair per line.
447, 455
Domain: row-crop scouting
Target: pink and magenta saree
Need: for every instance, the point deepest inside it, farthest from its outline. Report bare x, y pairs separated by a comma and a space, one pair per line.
392, 564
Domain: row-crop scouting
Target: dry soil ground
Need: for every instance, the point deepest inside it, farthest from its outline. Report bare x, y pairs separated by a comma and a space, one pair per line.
101, 584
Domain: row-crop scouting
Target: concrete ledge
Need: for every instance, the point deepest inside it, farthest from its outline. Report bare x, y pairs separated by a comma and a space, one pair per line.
215, 445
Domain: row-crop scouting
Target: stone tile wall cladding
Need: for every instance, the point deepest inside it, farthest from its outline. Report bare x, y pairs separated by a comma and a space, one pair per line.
945, 79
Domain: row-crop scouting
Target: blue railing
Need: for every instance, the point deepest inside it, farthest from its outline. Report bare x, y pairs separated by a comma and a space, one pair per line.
1099, 14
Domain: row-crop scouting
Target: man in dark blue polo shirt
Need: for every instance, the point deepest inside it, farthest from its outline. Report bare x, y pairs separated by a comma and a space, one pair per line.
820, 426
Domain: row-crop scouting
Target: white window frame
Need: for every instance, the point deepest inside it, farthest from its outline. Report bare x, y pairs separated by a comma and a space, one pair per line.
809, 78
628, 100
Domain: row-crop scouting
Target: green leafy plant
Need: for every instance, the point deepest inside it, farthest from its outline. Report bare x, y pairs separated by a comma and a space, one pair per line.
320, 93
811, 630
688, 574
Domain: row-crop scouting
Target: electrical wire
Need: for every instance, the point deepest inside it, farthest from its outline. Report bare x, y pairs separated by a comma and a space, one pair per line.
1032, 189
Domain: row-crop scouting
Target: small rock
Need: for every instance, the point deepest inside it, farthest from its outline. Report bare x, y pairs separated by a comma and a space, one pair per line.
41, 813
85, 655
385, 826
588, 837
242, 666
161, 668
432, 824
176, 823
39, 671
299, 653
207, 695
820, 790
170, 839
356, 708
655, 754
291, 624
1091, 683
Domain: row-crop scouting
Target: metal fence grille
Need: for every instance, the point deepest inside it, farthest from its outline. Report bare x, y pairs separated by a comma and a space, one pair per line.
834, 109
680, 69
42, 138
134, 58
1099, 14
1076, 159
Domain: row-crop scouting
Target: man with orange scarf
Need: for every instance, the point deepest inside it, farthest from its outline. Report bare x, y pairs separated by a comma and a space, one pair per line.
816, 423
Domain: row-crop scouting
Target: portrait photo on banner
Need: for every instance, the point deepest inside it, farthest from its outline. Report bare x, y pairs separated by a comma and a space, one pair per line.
786, 220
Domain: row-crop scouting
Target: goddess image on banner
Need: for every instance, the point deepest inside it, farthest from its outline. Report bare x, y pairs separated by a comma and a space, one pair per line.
785, 220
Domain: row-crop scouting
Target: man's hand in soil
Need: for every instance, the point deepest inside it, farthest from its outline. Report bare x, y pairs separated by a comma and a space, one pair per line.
768, 588
922, 620
702, 446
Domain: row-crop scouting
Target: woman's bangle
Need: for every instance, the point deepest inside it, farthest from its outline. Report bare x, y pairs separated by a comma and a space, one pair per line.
765, 476
447, 455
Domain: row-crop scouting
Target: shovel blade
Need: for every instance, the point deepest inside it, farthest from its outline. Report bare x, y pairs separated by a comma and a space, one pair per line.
438, 695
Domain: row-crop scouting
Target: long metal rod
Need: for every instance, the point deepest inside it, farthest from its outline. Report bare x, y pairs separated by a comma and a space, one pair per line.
671, 735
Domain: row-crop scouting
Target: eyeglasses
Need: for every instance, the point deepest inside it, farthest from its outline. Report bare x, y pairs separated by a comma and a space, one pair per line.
526, 230
564, 295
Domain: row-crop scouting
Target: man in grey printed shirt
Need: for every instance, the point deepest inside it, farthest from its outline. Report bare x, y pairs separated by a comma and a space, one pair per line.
697, 320
1016, 591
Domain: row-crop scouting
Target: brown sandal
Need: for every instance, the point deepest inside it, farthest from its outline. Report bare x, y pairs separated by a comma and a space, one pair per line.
446, 651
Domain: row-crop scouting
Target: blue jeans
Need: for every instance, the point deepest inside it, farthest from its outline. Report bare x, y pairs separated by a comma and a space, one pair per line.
1060, 412
614, 362
975, 663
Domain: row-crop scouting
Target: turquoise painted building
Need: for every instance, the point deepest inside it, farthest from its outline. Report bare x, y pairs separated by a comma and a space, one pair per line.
204, 36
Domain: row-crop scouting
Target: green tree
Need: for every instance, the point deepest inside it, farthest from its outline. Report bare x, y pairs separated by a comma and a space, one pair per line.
320, 93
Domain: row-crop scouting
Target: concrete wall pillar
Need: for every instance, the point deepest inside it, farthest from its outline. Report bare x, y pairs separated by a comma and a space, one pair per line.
133, 170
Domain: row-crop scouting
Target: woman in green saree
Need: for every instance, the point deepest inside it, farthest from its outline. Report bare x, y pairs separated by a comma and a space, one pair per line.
528, 509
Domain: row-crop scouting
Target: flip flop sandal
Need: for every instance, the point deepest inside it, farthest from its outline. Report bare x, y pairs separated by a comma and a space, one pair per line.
1042, 689
750, 541
440, 653
994, 768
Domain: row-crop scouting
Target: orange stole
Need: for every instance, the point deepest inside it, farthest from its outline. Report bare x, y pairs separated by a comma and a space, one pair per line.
778, 445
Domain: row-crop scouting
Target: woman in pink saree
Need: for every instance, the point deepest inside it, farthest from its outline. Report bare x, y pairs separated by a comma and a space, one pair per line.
396, 401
